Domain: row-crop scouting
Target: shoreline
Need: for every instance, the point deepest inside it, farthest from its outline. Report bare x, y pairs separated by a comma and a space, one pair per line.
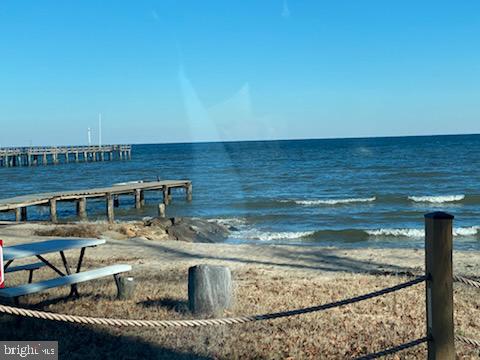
320, 259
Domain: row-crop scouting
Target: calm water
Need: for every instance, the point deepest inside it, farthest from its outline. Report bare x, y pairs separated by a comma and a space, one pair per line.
348, 192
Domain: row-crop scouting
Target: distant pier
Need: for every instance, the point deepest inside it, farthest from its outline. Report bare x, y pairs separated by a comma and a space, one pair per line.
111, 196
44, 155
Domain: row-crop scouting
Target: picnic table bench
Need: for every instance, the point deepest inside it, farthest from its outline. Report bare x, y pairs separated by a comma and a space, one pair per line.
66, 277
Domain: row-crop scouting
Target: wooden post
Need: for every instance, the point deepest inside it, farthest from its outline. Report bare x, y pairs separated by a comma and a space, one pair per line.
45, 161
82, 208
125, 287
161, 210
438, 269
67, 157
138, 203
142, 198
209, 289
18, 215
189, 191
53, 210
169, 194
76, 156
24, 214
165, 195
116, 201
110, 214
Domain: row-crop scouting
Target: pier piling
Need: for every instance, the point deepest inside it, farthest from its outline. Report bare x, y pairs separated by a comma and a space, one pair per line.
82, 208
110, 213
165, 196
53, 210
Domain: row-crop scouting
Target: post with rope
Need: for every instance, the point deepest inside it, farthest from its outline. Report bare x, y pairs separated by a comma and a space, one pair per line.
439, 286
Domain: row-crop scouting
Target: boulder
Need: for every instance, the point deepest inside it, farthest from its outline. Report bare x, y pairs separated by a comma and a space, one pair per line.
160, 222
196, 230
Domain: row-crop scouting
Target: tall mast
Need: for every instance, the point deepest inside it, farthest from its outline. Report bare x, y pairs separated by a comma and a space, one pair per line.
99, 129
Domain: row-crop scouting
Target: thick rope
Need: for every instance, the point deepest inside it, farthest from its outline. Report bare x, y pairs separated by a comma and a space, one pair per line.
394, 349
466, 281
467, 341
204, 322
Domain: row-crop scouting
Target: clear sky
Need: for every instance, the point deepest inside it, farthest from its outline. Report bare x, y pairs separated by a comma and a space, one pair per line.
170, 71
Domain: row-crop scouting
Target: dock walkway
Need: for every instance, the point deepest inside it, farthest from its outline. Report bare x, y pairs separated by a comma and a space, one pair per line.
44, 155
111, 194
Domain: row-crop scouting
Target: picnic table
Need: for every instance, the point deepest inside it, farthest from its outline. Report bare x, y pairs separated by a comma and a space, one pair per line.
65, 276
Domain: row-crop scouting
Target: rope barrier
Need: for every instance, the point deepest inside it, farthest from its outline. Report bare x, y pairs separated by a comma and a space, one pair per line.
203, 322
466, 281
467, 341
394, 349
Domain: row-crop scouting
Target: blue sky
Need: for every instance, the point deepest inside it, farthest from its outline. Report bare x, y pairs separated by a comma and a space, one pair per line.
169, 71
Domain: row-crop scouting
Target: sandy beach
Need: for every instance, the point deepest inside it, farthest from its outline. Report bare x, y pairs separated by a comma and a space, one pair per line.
266, 278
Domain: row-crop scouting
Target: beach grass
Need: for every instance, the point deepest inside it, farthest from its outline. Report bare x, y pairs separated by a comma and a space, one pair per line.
340, 333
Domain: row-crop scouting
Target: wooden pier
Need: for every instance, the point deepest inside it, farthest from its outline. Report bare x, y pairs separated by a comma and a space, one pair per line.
19, 204
40, 155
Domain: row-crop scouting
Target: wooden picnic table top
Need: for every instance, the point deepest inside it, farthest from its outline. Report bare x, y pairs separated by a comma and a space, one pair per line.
44, 247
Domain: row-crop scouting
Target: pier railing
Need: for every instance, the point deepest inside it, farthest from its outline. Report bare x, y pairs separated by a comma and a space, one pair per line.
440, 336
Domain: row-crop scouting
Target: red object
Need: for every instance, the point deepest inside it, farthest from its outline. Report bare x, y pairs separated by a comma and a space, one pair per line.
2, 282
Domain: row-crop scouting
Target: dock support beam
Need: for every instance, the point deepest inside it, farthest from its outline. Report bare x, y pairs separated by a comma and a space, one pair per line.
189, 192
23, 215
17, 215
82, 208
165, 195
438, 269
110, 213
138, 202
53, 210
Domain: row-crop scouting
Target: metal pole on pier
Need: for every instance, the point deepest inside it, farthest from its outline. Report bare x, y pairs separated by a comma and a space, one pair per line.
100, 130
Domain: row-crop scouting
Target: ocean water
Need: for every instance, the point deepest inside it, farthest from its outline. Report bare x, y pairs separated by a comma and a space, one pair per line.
342, 192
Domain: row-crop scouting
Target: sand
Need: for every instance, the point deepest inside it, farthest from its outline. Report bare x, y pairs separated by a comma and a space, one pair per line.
267, 278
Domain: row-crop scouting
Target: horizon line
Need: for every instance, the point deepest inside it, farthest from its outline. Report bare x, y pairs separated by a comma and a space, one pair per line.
259, 140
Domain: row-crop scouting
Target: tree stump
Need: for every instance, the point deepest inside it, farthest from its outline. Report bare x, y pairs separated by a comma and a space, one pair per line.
209, 289
125, 287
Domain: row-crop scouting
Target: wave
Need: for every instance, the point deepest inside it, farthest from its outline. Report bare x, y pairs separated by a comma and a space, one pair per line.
330, 201
229, 222
419, 233
437, 199
254, 234
344, 234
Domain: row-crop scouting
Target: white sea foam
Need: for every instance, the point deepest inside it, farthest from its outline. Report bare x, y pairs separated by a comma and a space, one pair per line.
332, 201
416, 233
437, 199
255, 234
229, 221
419, 233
